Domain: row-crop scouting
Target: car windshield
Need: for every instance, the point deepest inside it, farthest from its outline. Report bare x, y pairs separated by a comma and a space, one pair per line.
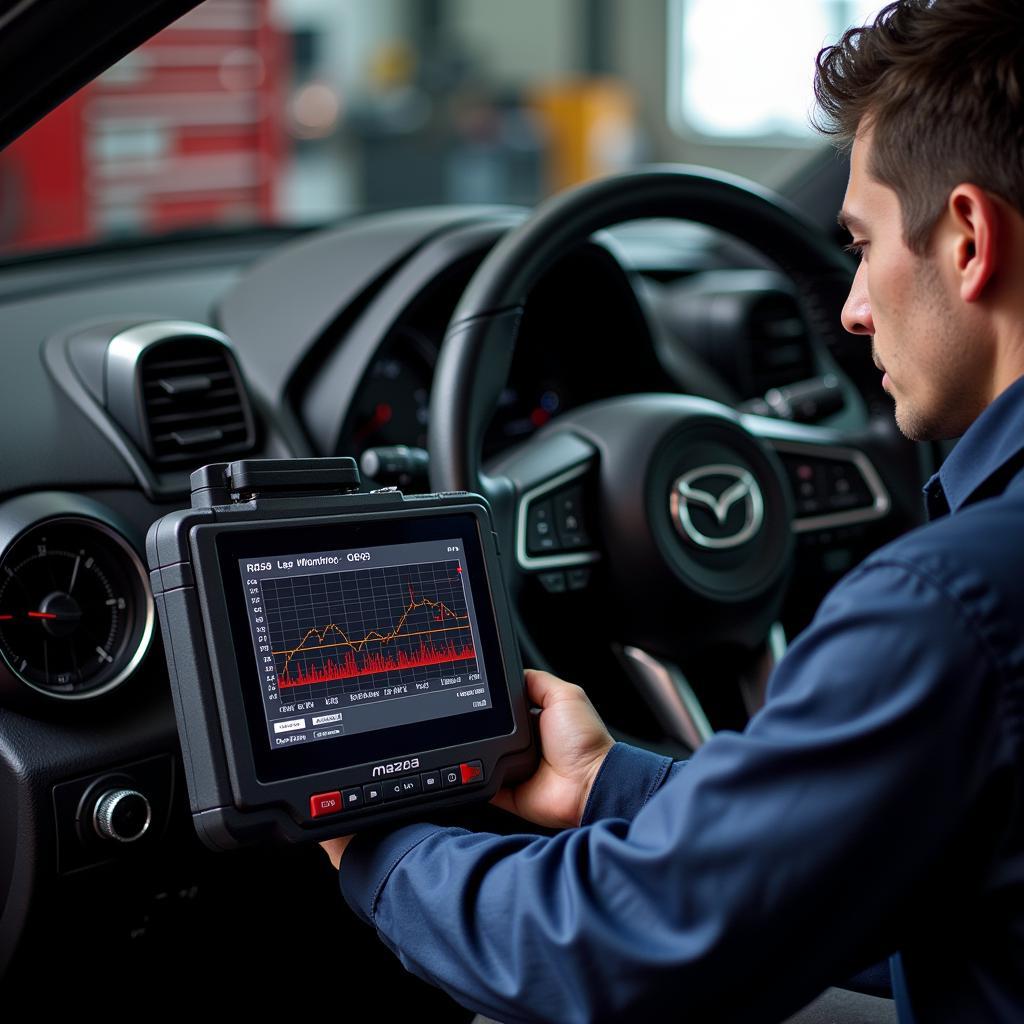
290, 112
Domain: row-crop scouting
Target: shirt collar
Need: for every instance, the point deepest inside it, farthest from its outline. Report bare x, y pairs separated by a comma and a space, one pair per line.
994, 438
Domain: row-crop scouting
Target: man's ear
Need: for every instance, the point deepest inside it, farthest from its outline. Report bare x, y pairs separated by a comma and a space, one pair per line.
975, 217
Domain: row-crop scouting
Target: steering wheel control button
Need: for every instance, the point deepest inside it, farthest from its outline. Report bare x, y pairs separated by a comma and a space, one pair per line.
325, 803
352, 798
431, 781
373, 793
569, 524
471, 771
540, 528
552, 582
578, 579
123, 815
823, 485
451, 777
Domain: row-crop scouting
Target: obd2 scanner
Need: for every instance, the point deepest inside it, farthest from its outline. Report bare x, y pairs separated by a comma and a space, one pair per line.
337, 659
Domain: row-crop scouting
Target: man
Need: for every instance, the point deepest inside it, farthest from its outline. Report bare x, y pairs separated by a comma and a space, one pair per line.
875, 803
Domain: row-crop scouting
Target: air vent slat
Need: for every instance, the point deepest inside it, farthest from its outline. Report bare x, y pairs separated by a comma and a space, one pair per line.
185, 385
156, 366
174, 373
195, 408
206, 411
157, 402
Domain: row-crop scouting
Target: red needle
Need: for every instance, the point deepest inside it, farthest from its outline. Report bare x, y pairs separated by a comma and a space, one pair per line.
42, 615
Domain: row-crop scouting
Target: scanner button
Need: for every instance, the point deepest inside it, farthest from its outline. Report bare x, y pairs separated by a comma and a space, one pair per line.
451, 777
471, 771
431, 781
410, 785
373, 793
324, 803
352, 798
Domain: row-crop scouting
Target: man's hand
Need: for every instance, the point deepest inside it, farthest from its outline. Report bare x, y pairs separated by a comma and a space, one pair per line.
573, 743
334, 848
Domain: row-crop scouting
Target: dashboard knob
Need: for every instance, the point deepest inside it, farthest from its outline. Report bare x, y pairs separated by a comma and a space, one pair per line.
122, 814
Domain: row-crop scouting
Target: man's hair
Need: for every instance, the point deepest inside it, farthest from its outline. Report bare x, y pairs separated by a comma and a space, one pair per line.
940, 85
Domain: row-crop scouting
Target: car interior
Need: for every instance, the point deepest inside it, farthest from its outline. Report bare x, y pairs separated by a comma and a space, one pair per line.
505, 249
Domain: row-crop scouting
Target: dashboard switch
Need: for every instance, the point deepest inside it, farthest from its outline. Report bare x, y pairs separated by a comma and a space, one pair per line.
471, 771
123, 815
451, 777
352, 798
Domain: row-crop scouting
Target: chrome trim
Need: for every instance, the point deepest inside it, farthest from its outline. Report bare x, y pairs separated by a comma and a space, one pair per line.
561, 561
104, 812
125, 350
671, 697
150, 609
777, 642
753, 683
132, 341
881, 502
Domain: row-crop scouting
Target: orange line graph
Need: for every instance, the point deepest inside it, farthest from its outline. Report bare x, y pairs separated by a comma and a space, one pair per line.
374, 635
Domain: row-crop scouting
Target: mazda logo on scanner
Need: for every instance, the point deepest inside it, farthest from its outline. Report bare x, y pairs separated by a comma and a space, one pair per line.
714, 493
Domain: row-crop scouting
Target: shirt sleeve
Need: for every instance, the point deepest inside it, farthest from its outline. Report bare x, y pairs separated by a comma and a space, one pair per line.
801, 841
626, 780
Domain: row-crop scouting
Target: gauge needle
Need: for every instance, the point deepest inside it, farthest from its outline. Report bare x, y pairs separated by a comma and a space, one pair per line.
74, 574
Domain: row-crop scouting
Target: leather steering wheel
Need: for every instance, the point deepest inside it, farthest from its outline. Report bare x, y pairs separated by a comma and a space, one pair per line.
686, 505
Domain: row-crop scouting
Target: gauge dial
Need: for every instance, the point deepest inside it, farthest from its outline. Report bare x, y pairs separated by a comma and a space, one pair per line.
392, 403
75, 614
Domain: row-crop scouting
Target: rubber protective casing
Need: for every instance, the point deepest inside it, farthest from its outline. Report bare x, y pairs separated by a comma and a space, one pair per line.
230, 805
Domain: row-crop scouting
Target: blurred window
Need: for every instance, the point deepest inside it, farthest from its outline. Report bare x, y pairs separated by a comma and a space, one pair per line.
743, 69
289, 112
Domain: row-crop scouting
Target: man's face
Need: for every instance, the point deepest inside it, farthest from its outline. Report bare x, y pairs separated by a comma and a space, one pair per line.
909, 305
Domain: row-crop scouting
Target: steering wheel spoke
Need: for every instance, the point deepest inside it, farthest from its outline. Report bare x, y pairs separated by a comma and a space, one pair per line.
692, 698
555, 524
834, 483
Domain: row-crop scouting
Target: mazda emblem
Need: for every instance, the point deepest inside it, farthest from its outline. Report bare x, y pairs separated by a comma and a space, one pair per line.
740, 486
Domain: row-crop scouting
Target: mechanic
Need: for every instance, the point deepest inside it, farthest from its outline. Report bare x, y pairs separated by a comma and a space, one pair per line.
874, 804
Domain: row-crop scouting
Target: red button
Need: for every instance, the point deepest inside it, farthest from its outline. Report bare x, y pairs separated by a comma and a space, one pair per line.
471, 772
325, 803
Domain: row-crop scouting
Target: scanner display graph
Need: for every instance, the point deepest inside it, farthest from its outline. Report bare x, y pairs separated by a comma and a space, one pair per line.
361, 628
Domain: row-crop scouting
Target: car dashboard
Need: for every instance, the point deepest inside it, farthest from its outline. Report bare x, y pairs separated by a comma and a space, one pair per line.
125, 368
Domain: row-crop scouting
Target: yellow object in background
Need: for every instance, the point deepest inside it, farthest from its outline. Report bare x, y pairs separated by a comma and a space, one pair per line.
590, 126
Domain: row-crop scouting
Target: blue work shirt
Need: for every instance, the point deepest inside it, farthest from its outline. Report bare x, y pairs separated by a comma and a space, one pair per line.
873, 805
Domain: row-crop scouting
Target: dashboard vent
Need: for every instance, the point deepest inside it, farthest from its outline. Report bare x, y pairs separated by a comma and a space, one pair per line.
194, 405
780, 351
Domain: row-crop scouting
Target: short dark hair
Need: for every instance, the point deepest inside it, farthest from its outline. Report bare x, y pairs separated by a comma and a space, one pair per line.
940, 84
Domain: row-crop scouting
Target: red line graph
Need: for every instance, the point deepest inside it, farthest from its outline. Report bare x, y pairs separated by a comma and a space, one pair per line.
351, 667
358, 661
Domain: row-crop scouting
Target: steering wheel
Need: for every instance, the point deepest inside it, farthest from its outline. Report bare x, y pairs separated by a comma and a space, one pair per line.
686, 508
